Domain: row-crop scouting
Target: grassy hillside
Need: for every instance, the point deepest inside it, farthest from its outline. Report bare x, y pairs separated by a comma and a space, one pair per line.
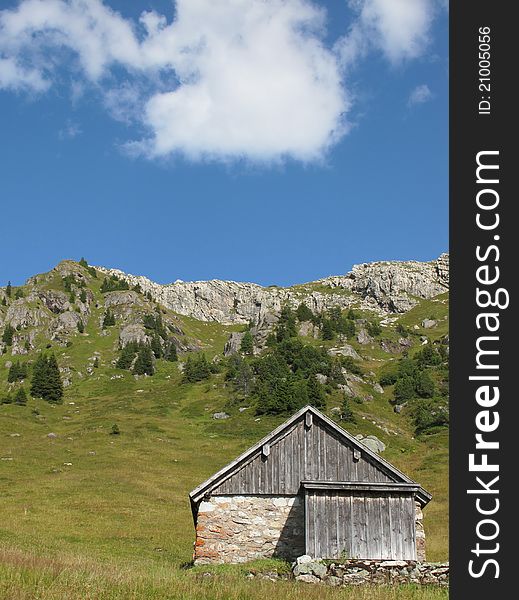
88, 514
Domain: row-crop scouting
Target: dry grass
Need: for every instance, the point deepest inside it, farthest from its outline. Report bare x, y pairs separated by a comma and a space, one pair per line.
25, 576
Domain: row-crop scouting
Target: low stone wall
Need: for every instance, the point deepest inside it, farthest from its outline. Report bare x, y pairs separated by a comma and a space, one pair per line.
233, 529
366, 572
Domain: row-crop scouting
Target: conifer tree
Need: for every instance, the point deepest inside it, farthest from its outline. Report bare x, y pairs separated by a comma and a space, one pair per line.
7, 336
316, 394
144, 363
247, 343
83, 296
304, 313
109, 319
127, 355
8, 289
46, 380
4, 301
20, 397
171, 353
156, 346
80, 327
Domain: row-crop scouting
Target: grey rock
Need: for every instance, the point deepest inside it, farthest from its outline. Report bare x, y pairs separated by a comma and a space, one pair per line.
378, 388
221, 415
307, 578
383, 287
52, 435
363, 337
305, 558
372, 442
428, 323
345, 350
232, 346
321, 378
133, 333
8, 364
126, 297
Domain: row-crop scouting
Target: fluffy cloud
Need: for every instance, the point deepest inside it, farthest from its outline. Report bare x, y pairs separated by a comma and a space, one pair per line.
419, 95
223, 80
400, 29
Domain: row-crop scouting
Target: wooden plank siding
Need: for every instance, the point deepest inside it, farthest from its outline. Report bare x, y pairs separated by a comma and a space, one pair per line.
360, 524
301, 453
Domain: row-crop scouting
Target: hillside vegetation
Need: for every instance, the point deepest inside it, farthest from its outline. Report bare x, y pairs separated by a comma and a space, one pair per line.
96, 474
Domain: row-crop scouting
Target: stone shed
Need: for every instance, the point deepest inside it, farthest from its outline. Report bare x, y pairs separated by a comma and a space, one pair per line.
309, 487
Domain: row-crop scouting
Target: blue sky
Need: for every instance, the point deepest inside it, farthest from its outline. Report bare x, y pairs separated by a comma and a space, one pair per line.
99, 158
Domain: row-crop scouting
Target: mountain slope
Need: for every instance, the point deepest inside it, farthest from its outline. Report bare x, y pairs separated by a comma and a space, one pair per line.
84, 491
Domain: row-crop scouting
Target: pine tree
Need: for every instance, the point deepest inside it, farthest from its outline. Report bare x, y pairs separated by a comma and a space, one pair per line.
304, 313
20, 397
346, 412
83, 296
156, 346
171, 353
247, 343
96, 363
8, 289
46, 380
127, 355
80, 327
404, 389
4, 301
72, 298
7, 336
327, 330
83, 263
316, 393
17, 372
144, 363
19, 294
109, 319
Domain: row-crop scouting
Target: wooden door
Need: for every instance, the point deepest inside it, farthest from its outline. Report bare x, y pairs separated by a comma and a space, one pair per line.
367, 525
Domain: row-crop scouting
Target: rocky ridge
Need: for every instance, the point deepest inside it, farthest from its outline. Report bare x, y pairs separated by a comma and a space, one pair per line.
383, 287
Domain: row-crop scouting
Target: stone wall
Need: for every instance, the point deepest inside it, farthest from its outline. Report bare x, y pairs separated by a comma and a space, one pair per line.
420, 533
370, 572
232, 529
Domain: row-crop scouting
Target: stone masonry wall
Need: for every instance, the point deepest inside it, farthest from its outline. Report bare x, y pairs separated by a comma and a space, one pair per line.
235, 529
420, 533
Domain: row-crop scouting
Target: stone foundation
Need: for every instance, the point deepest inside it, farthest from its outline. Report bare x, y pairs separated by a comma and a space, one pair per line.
370, 572
420, 533
233, 529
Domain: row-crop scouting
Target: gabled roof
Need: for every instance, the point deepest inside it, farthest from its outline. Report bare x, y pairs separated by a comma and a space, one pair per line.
210, 484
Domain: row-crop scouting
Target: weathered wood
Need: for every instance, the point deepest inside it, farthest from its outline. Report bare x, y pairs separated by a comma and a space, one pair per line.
360, 524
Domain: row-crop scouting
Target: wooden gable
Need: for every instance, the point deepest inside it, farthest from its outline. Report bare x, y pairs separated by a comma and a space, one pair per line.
307, 447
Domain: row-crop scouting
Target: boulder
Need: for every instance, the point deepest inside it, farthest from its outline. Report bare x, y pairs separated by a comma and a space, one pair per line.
363, 337
345, 350
372, 442
428, 323
221, 415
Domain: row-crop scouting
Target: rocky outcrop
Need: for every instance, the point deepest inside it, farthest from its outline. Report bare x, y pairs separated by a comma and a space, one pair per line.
133, 333
394, 286
232, 346
21, 314
383, 287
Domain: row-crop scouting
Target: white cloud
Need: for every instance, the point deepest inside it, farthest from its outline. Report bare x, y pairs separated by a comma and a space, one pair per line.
400, 29
223, 80
419, 95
